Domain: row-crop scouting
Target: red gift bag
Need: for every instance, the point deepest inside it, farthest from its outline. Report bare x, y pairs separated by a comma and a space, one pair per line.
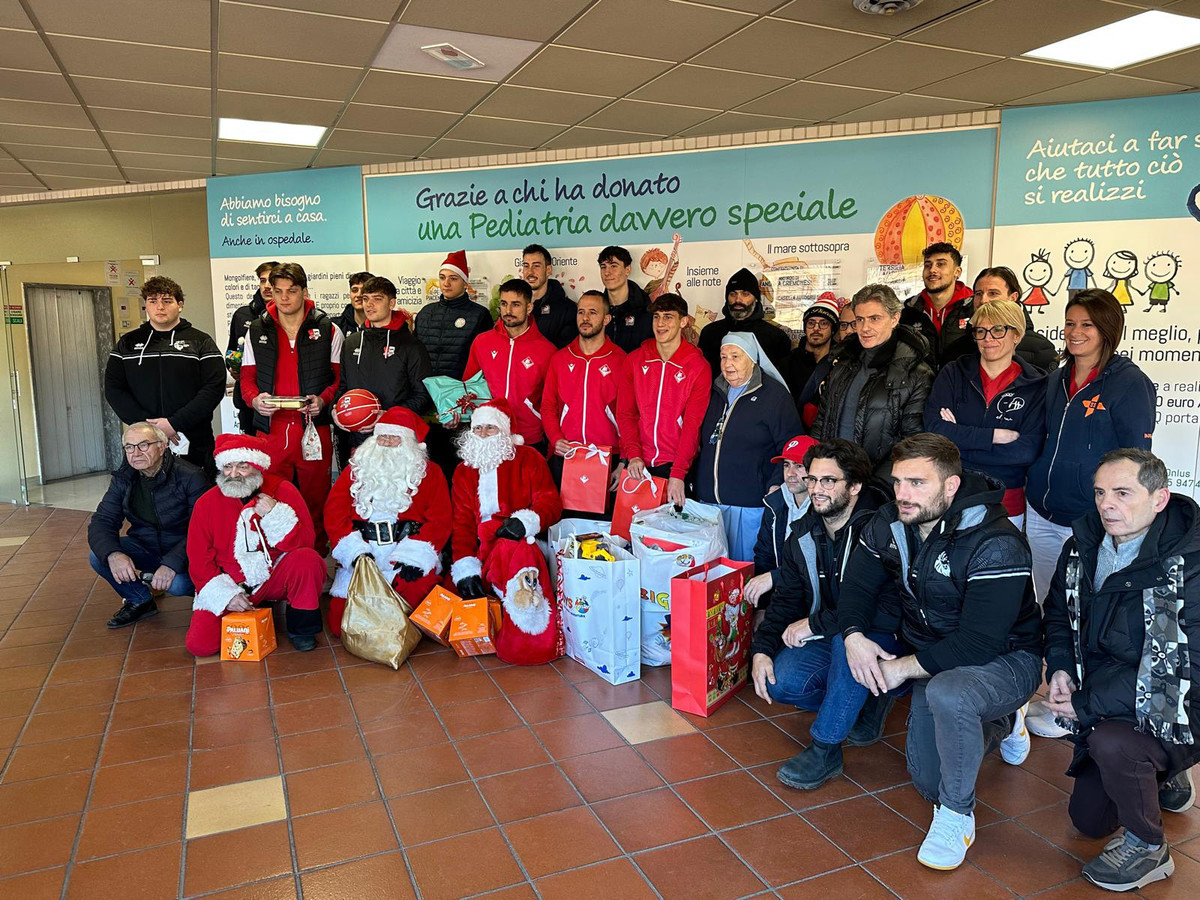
711, 622
585, 478
634, 496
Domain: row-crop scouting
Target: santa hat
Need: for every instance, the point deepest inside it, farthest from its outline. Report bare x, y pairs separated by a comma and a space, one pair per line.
456, 262
825, 306
399, 418
498, 412
242, 448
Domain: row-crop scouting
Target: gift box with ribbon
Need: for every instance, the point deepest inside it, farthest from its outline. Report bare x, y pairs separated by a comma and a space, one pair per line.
450, 395
585, 477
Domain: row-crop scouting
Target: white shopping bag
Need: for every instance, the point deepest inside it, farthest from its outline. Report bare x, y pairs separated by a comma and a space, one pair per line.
667, 542
565, 528
601, 612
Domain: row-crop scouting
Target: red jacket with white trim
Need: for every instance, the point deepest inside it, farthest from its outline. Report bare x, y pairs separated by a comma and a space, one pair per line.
579, 400
515, 369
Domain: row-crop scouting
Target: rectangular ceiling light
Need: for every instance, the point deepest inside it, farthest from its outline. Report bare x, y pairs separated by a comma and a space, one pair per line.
1133, 40
270, 132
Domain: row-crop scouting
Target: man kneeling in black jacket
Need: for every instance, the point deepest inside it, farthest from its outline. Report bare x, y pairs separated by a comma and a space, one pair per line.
969, 615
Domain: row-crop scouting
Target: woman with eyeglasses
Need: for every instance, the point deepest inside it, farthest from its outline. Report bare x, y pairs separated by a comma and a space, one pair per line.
992, 404
749, 419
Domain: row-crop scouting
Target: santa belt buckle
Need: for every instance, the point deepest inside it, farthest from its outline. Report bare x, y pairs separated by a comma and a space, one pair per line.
380, 532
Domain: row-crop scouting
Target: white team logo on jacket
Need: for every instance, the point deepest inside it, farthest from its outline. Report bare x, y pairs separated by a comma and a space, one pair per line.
605, 370
181, 345
570, 367
388, 351
941, 565
494, 352
645, 370
678, 377
527, 363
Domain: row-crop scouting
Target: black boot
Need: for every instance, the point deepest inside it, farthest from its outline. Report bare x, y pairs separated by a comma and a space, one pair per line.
808, 770
868, 728
129, 613
303, 626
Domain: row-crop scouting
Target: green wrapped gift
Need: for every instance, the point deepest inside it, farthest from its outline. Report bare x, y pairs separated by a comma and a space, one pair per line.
451, 395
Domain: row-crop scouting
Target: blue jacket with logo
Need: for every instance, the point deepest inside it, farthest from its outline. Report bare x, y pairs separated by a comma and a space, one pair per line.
1020, 407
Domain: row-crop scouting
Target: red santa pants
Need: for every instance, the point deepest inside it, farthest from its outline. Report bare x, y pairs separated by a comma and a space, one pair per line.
311, 477
296, 579
413, 593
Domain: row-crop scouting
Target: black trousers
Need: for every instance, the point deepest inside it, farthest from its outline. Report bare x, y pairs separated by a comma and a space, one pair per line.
1117, 784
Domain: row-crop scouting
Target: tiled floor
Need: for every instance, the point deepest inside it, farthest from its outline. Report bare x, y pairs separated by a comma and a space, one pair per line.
83, 492
129, 772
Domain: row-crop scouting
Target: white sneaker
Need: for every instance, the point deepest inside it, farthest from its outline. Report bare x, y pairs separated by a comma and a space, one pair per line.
950, 836
1015, 747
1040, 721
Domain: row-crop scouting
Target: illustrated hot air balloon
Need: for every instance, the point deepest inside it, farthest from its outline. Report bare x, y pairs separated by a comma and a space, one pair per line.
913, 224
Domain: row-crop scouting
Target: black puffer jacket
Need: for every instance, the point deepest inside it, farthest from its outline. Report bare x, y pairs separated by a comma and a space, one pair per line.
555, 315
242, 316
175, 489
1112, 621
891, 405
631, 321
447, 328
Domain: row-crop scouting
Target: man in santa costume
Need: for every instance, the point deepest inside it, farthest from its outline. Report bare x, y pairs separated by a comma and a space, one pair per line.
391, 504
503, 496
250, 542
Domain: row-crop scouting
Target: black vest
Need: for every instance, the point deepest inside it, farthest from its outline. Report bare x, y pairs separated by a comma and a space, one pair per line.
313, 348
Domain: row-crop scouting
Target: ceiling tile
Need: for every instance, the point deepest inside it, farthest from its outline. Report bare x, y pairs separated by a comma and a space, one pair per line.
701, 86
62, 115
48, 86
273, 153
70, 182
380, 10
362, 117
82, 170
368, 142
250, 166
20, 179
420, 91
402, 52
1102, 87
269, 108
168, 98
285, 78
58, 137
8, 165
12, 16
751, 6
775, 47
452, 149
52, 153
1001, 81
580, 136
673, 31
840, 14
25, 50
151, 176
306, 36
503, 131
174, 23
136, 122
818, 102
651, 118
585, 72
1183, 67
137, 160
735, 123
351, 158
531, 20
1011, 27
141, 62
901, 66
187, 146
535, 105
905, 106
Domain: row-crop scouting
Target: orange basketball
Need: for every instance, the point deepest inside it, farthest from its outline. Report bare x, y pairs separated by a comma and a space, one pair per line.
357, 410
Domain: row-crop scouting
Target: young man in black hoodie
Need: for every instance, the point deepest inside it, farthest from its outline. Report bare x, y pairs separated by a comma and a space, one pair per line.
353, 318
629, 305
968, 614
168, 373
744, 311
553, 311
237, 336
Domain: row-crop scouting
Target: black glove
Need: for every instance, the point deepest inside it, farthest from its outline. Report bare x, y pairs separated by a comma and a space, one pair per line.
471, 587
409, 573
513, 529
406, 528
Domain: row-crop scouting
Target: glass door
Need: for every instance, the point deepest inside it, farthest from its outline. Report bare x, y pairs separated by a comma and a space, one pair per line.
12, 458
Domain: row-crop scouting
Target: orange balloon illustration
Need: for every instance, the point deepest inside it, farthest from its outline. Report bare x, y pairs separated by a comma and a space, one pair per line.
913, 224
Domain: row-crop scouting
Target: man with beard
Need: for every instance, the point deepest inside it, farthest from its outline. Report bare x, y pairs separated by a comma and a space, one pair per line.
744, 312
251, 542
390, 504
798, 657
503, 496
552, 308
968, 613
942, 312
806, 366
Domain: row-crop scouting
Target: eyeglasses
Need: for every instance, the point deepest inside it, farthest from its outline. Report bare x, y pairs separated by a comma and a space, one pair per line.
852, 325
140, 447
996, 331
825, 481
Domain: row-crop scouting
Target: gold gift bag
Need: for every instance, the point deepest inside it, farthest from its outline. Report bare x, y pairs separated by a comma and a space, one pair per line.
375, 624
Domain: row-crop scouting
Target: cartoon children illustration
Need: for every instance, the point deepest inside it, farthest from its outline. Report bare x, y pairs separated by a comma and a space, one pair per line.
1161, 269
1037, 275
1121, 267
654, 266
1078, 255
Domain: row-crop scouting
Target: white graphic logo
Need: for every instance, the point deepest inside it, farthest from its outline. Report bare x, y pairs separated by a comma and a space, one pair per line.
527, 363
941, 565
605, 370
1007, 404
494, 352
570, 367
645, 370
678, 377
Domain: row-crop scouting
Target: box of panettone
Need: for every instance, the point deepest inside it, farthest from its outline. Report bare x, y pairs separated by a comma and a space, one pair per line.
473, 625
433, 614
247, 636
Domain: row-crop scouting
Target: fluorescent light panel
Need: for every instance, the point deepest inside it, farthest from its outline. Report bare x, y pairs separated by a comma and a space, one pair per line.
1145, 36
270, 132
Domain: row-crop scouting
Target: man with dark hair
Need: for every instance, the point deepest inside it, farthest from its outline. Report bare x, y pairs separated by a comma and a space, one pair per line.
237, 336
942, 312
169, 373
628, 303
383, 357
662, 400
798, 656
448, 326
806, 367
552, 308
353, 318
1119, 625
967, 612
513, 357
744, 311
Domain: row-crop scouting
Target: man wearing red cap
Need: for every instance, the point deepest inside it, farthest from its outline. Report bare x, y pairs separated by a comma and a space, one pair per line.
503, 496
390, 504
784, 507
251, 541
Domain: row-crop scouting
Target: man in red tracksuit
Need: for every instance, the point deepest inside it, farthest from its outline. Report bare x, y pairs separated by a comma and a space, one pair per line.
663, 398
513, 357
294, 349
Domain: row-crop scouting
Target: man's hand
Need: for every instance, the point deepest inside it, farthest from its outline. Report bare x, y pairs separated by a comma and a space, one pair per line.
165, 427
315, 404
562, 447
1004, 435
797, 633
239, 603
455, 419
618, 473
893, 674
758, 585
675, 493
1062, 686
262, 407
636, 468
948, 415
1064, 709
863, 655
122, 568
264, 505
762, 671
163, 576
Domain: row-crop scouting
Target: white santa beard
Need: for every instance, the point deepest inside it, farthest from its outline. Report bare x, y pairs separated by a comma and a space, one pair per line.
485, 454
239, 487
383, 480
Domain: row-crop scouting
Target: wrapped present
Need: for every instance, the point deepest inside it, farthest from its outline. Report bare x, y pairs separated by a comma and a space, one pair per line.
585, 477
450, 395
247, 636
375, 624
473, 625
433, 614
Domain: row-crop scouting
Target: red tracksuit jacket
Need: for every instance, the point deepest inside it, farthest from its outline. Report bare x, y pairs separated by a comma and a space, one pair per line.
579, 401
515, 369
661, 406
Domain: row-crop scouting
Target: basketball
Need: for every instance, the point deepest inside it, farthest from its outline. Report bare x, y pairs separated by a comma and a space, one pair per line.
357, 410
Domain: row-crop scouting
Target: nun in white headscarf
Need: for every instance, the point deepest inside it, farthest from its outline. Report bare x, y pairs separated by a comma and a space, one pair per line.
750, 417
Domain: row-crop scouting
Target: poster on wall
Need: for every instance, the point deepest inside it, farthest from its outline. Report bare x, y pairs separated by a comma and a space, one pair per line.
1104, 195
810, 219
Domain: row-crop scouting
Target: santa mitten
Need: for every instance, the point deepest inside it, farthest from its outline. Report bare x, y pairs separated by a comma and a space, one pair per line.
471, 587
409, 573
512, 528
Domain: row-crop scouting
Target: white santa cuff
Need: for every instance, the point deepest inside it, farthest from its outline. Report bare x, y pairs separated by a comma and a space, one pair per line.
532, 522
410, 552
278, 523
350, 548
215, 595
465, 568
341, 582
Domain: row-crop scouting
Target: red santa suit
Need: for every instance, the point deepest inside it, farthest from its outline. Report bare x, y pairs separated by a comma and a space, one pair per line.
519, 488
425, 509
234, 550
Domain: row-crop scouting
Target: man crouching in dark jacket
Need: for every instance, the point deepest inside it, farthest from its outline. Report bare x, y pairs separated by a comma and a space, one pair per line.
154, 491
1120, 617
969, 615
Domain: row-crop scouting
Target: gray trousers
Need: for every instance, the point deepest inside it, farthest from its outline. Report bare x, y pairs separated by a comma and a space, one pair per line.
957, 717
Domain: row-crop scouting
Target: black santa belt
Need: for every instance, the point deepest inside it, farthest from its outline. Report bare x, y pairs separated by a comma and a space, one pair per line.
387, 532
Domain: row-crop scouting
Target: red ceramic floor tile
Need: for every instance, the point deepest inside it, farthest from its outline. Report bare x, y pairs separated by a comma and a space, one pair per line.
733, 798
464, 720
703, 869
846, 884
572, 671
785, 850
1019, 859
41, 654
37, 845
375, 678
321, 748
1012, 790
44, 885
685, 757
439, 813
44, 798
732, 713
342, 834
57, 758
419, 769
464, 865
314, 715
145, 875
605, 696
17, 703
305, 687
216, 767
151, 711
231, 698
432, 666
540, 845
909, 879
398, 733
19, 677
864, 827
283, 888
234, 857
614, 878
1184, 883
1054, 824
220, 674
10, 730
642, 821
912, 806
504, 751
288, 662
610, 773
565, 738
382, 704
153, 684
1182, 826
382, 877
519, 679
115, 785
754, 743
461, 689
27, 637
216, 732
152, 741
120, 829
67, 723
527, 792
550, 704
331, 787
155, 660
1049, 760
835, 789
161, 638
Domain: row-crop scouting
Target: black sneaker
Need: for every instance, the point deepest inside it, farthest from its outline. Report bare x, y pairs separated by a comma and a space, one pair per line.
1129, 865
1176, 795
812, 767
868, 728
129, 613
303, 642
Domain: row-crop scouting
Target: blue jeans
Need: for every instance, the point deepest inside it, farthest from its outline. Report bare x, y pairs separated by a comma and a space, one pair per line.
816, 676
144, 560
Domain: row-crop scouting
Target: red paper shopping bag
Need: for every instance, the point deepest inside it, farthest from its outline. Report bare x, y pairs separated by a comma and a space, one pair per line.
711, 621
585, 478
634, 496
